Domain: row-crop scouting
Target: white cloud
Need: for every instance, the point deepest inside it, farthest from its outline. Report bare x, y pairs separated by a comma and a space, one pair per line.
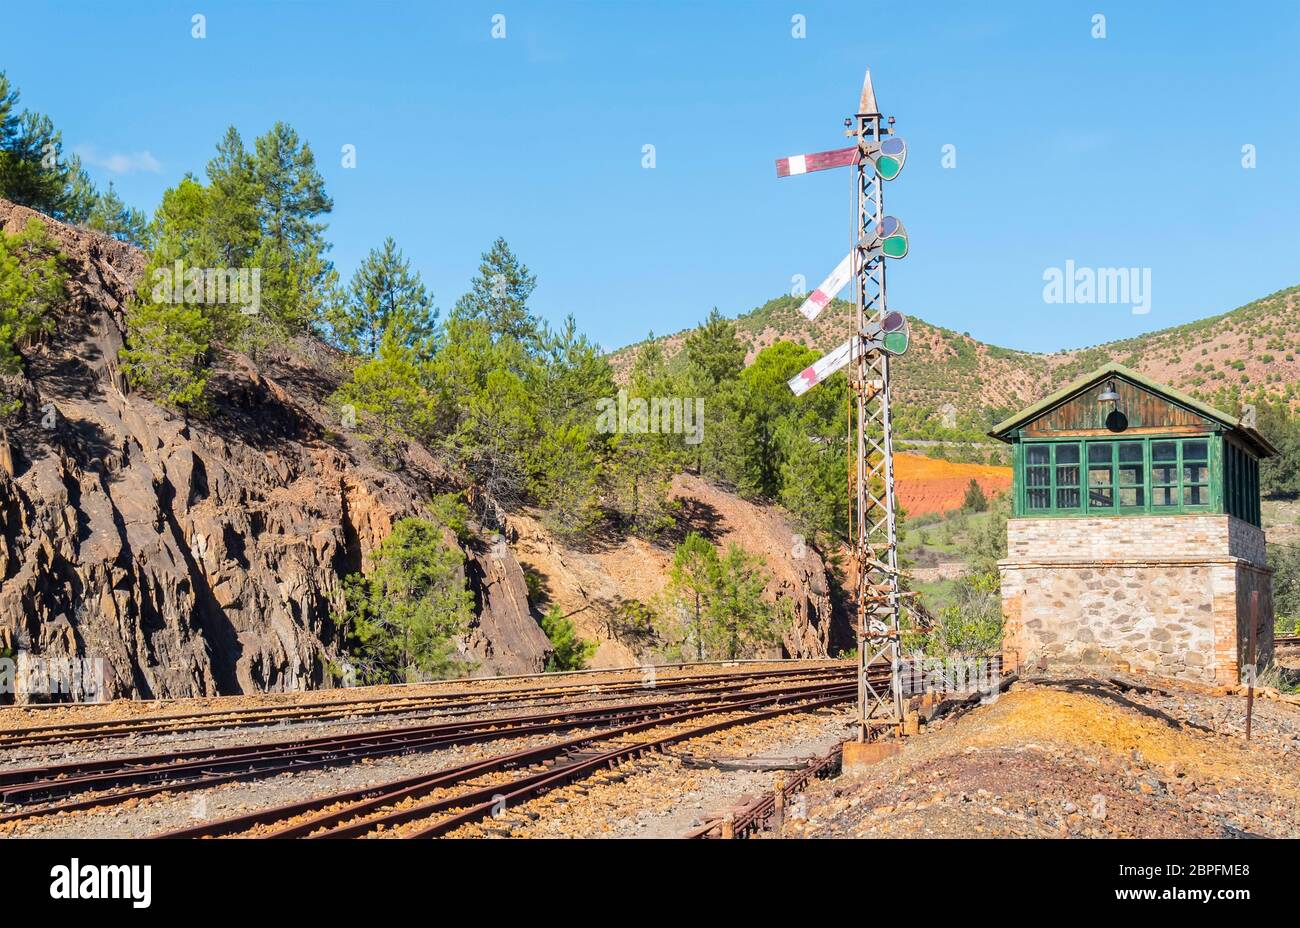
119, 162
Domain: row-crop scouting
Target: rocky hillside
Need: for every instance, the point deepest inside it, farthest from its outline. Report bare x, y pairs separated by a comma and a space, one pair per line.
203, 556
600, 588
1257, 345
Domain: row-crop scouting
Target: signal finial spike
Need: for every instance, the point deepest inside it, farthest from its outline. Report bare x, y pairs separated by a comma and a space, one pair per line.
867, 104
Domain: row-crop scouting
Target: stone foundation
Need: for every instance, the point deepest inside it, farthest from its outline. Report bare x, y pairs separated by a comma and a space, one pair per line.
1167, 595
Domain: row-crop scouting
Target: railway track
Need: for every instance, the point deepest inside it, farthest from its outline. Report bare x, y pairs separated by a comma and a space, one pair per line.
462, 701
435, 804
105, 782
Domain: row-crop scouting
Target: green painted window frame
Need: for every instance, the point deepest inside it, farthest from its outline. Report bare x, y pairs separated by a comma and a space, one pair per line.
1213, 467
1054, 485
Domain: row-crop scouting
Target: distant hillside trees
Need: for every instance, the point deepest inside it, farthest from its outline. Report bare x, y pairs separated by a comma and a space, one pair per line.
1285, 561
1279, 476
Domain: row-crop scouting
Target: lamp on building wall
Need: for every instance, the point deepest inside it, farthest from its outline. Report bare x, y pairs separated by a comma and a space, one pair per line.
1116, 421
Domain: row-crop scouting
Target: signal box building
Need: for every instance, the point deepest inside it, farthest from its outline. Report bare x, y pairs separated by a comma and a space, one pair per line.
1136, 539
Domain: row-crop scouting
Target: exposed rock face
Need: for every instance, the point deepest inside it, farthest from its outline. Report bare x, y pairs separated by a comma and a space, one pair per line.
591, 585
204, 557
199, 557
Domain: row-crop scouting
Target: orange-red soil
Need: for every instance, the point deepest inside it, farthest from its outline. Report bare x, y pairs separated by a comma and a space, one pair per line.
927, 485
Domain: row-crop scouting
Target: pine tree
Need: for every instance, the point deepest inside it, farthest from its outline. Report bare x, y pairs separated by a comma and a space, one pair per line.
296, 278
694, 582
742, 622
113, 217
813, 477
713, 605
499, 295
486, 382
566, 481
8, 115
170, 343
233, 228
32, 172
168, 353
975, 500
714, 359
394, 392
385, 299
714, 351
404, 616
32, 284
765, 402
568, 651
569, 376
642, 463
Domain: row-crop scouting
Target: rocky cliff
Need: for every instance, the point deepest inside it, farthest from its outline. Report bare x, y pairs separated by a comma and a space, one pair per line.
196, 557
199, 557
596, 586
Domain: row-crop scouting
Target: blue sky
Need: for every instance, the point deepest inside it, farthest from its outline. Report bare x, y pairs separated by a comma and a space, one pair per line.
1117, 152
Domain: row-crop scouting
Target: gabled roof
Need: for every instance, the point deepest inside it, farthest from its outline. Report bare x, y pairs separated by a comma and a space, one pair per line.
1003, 429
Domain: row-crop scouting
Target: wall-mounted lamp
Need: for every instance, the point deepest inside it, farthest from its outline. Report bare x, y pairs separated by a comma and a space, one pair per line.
1116, 421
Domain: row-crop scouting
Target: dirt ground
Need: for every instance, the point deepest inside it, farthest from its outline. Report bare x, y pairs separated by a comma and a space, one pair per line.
1079, 758
927, 485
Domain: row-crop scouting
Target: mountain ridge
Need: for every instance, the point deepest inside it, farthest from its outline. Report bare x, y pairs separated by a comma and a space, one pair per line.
1241, 352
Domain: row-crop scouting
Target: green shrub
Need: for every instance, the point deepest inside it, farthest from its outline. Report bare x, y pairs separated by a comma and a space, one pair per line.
569, 652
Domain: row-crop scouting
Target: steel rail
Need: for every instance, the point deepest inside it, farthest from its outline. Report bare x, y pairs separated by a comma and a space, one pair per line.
756, 815
258, 761
254, 716
140, 764
336, 812
568, 774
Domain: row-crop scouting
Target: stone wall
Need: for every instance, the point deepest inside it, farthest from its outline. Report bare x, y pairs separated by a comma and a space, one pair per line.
1167, 595
1106, 538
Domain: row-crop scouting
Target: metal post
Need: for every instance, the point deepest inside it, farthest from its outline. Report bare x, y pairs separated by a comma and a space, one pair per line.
1250, 670
778, 805
876, 551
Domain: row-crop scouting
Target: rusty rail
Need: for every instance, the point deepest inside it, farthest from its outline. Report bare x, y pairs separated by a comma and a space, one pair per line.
452, 701
341, 815
172, 772
760, 814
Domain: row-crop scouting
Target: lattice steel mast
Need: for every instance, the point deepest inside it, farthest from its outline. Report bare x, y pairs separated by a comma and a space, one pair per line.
875, 557
877, 334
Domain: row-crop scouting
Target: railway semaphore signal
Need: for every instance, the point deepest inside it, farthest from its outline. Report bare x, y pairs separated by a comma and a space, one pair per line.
877, 335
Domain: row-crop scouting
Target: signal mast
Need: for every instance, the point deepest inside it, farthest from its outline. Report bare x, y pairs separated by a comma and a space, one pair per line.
877, 336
